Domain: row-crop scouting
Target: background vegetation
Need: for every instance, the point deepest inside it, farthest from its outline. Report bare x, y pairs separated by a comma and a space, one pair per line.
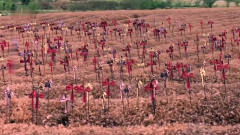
83, 5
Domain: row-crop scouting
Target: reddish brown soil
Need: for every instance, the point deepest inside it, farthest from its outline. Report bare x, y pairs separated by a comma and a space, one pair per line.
218, 114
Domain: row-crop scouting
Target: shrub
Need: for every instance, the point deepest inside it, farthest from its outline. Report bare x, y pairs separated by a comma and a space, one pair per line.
198, 3
228, 2
7, 5
164, 4
25, 2
131, 4
33, 6
209, 3
94, 5
45, 4
180, 4
236, 2
13, 7
103, 5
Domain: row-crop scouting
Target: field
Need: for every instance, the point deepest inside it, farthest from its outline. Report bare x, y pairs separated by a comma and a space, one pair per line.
213, 110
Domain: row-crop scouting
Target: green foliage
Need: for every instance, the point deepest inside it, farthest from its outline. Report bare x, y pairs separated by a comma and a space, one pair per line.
13, 7
164, 4
94, 5
198, 3
25, 2
45, 4
132, 4
183, 4
33, 6
126, 4
150, 4
236, 2
7, 5
146, 4
209, 3
83, 5
228, 2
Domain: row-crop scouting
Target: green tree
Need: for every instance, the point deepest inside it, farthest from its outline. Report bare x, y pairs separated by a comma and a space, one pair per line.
209, 3
13, 7
198, 3
7, 5
25, 2
131, 4
45, 4
147, 4
33, 5
236, 2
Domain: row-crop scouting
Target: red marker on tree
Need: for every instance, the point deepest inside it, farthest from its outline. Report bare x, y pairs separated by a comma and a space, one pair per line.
95, 61
3, 44
178, 66
58, 39
231, 43
190, 27
169, 22
65, 63
127, 50
187, 77
137, 43
70, 87
152, 87
214, 62
84, 53
182, 29
152, 62
129, 63
170, 52
185, 45
129, 32
27, 44
3, 68
10, 66
143, 44
197, 43
223, 68
201, 23
170, 68
37, 95
108, 83
82, 89
179, 48
25, 61
210, 22
53, 54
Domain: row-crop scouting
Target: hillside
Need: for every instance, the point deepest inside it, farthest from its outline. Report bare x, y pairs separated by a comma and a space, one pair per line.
177, 110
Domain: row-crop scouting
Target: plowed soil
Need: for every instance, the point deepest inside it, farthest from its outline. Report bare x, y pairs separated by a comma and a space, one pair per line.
218, 113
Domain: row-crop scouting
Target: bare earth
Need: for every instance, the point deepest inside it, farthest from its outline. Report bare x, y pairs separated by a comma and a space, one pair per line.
219, 114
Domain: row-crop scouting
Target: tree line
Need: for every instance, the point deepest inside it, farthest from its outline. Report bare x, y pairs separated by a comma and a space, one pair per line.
75, 5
